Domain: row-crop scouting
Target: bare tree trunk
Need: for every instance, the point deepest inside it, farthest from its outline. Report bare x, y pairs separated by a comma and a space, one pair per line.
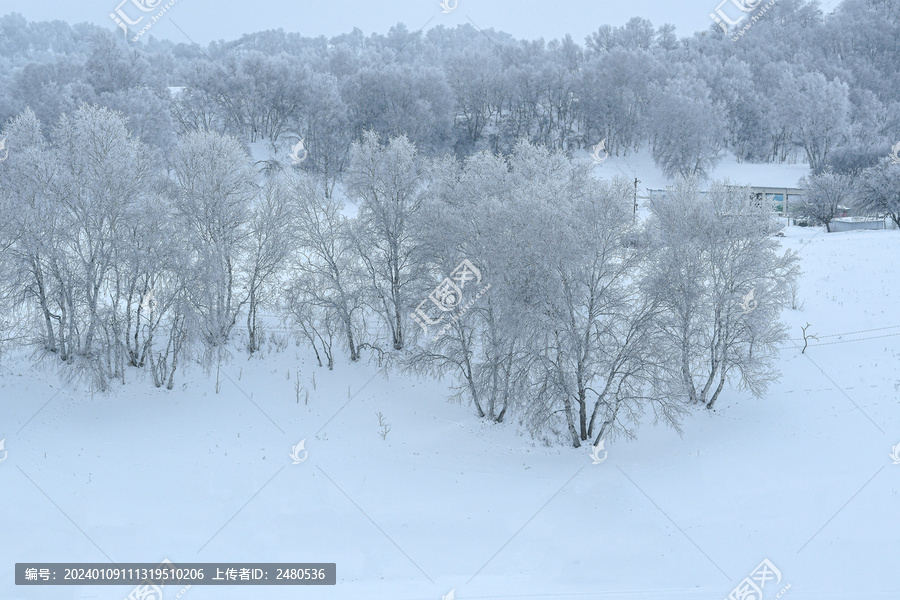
253, 343
37, 272
715, 395
570, 422
348, 331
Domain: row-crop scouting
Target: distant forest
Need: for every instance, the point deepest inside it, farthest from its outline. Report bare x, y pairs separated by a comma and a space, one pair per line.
798, 85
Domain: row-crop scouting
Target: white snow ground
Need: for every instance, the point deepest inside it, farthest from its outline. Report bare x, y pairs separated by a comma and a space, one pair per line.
641, 165
802, 477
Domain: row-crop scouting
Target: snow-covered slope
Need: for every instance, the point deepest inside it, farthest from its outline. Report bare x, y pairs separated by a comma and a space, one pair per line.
801, 477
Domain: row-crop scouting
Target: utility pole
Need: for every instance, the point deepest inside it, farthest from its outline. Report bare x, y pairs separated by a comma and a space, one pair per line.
636, 182
784, 209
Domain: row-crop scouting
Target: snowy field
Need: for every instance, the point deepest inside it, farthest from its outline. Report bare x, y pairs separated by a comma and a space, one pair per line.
200, 205
802, 477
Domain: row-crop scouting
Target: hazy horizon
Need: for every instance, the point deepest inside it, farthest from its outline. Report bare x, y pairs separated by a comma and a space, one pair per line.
202, 21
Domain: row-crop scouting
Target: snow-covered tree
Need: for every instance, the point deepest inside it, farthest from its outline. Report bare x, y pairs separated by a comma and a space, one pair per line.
473, 75
327, 279
325, 129
387, 183
467, 216
563, 335
591, 325
396, 100
214, 200
818, 113
722, 284
35, 238
270, 241
826, 196
879, 190
101, 174
689, 128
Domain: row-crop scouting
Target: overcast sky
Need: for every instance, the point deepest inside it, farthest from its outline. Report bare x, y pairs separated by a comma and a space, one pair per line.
207, 20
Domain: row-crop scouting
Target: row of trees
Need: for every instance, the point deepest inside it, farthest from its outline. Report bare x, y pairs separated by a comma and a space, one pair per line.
800, 84
115, 263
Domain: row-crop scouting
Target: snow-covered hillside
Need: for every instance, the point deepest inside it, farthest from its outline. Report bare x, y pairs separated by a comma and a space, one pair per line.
802, 477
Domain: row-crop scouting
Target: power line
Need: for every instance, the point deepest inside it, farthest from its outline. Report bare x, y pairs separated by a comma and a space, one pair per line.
877, 337
850, 333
